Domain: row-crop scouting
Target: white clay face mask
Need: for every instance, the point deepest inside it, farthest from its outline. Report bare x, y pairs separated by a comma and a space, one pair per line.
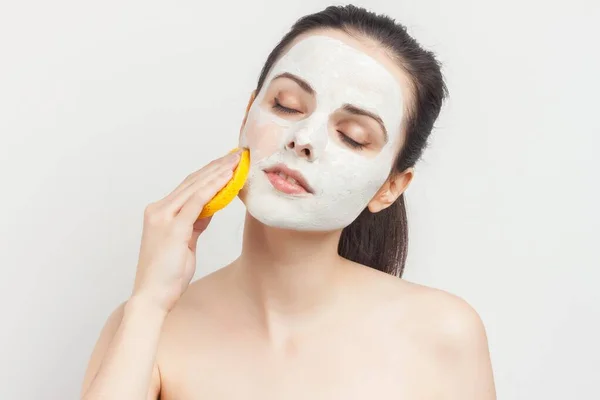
343, 179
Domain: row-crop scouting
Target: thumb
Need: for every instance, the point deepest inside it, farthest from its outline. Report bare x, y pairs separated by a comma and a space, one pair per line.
199, 227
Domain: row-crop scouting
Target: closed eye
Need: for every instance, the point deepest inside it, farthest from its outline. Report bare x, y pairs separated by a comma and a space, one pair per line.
351, 142
277, 105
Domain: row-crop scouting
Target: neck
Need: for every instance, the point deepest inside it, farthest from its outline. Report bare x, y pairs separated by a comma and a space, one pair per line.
288, 274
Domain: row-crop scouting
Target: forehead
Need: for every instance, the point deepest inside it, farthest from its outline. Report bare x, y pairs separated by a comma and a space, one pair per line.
340, 73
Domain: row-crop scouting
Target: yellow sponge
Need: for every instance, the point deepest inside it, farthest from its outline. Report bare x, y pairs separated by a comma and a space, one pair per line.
231, 190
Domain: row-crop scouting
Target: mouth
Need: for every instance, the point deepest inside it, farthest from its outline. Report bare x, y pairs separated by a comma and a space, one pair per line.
287, 180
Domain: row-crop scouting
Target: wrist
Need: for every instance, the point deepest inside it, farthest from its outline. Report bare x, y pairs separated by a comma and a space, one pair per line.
138, 304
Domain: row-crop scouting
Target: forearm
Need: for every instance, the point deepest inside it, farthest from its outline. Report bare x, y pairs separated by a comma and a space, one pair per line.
126, 369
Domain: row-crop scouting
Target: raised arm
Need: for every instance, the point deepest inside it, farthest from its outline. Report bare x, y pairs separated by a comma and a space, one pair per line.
123, 365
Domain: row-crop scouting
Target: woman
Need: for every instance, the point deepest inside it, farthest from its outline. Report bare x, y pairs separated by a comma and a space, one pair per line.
313, 307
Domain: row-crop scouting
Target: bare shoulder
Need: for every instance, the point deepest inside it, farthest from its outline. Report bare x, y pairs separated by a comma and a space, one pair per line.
456, 341
446, 321
453, 323
446, 334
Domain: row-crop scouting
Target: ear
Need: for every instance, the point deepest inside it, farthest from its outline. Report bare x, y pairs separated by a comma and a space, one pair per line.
391, 190
250, 101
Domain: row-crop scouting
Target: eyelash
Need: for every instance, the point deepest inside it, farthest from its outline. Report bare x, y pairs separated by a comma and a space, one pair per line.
283, 109
352, 143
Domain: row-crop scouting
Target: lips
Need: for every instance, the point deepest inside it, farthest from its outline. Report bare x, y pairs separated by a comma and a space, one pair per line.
288, 180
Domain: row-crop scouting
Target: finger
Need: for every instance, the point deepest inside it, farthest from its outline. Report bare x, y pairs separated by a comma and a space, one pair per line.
227, 161
174, 206
204, 171
193, 206
174, 201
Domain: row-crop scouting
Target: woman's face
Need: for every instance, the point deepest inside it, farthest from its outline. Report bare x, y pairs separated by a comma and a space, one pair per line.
323, 133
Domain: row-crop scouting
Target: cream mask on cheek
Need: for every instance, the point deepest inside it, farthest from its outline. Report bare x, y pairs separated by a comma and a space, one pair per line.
343, 179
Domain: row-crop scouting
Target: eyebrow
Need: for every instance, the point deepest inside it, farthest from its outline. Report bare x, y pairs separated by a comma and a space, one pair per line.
301, 82
347, 107
359, 111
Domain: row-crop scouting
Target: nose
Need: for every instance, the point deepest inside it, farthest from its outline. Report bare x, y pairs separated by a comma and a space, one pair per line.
309, 139
303, 150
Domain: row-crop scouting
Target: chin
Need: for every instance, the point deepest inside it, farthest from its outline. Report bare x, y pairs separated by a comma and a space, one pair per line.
288, 224
293, 214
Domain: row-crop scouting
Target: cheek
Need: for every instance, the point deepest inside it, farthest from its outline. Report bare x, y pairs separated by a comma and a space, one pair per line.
350, 175
262, 139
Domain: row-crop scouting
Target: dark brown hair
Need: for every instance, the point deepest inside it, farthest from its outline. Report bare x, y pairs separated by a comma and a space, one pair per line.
380, 240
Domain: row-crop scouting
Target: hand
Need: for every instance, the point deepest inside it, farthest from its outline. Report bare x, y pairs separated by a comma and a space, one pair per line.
167, 259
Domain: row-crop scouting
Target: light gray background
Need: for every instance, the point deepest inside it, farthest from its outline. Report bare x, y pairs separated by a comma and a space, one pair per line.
106, 106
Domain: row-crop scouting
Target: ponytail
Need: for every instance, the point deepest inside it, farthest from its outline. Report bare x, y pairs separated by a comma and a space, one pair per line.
378, 240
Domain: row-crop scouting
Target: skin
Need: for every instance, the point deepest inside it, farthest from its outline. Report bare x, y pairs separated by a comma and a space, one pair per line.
289, 319
301, 118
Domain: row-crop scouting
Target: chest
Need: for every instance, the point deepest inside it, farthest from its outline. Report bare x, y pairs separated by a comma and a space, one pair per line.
344, 369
